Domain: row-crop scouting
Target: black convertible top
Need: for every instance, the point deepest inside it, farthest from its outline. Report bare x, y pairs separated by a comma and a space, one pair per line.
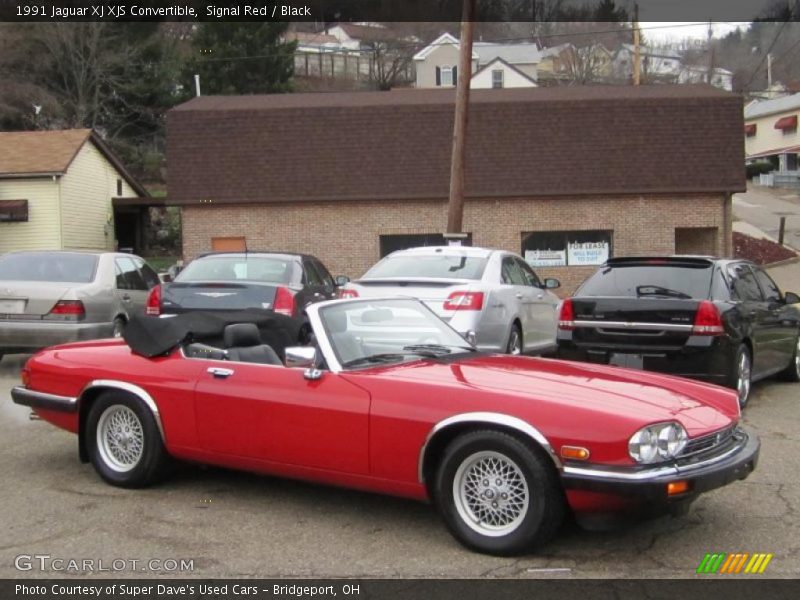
154, 336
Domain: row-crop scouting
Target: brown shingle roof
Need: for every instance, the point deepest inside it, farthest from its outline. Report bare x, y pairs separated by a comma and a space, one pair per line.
28, 152
51, 152
396, 145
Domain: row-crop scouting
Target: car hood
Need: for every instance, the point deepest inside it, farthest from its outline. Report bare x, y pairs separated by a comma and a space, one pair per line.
579, 390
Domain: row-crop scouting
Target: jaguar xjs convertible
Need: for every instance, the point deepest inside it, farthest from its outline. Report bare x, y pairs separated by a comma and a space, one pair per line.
388, 398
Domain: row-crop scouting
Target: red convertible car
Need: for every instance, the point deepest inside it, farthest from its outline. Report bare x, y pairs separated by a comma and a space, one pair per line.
388, 398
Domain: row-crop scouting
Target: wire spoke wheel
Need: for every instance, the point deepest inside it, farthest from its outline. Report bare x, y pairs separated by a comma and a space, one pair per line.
491, 493
120, 438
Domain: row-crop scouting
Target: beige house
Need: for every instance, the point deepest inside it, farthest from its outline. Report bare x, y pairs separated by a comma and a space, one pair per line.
57, 191
436, 64
770, 129
499, 74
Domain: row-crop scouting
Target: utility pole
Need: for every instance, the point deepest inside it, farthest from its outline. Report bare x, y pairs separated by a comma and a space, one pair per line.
637, 56
710, 74
455, 208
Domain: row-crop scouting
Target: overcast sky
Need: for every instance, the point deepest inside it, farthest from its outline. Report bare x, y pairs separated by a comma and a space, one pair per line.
659, 31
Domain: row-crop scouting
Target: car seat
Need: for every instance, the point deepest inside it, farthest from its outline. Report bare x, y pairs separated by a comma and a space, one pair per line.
243, 343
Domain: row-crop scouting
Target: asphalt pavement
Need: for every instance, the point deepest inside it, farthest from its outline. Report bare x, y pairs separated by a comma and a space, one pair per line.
763, 207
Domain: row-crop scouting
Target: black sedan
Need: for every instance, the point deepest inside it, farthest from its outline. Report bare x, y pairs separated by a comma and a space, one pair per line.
282, 282
721, 321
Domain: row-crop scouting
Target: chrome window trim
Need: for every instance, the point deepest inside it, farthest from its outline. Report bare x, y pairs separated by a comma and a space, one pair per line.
493, 419
635, 325
325, 346
656, 472
132, 389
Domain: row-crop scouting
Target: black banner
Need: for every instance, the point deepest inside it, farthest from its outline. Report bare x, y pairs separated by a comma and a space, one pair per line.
391, 10
731, 588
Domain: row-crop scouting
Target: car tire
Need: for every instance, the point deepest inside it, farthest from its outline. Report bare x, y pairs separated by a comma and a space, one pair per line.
514, 345
124, 442
740, 377
498, 495
792, 371
119, 327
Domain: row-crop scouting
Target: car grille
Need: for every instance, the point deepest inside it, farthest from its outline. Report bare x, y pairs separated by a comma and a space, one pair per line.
708, 442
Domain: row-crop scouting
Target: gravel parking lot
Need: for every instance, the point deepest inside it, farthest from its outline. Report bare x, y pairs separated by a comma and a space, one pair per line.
240, 525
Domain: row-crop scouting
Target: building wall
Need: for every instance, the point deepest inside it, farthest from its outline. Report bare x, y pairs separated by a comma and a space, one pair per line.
511, 79
767, 137
42, 230
345, 235
86, 192
446, 55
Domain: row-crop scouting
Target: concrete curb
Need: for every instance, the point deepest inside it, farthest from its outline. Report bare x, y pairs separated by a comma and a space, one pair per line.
780, 263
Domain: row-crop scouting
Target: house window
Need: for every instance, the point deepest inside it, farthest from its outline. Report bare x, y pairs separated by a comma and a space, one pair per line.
119, 188
566, 248
750, 129
394, 242
447, 76
497, 78
13, 210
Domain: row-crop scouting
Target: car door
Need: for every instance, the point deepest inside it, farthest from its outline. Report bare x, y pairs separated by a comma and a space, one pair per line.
543, 307
779, 321
131, 289
328, 283
522, 300
314, 288
753, 310
272, 413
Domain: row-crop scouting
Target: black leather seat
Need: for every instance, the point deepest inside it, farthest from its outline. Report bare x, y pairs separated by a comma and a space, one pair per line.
243, 343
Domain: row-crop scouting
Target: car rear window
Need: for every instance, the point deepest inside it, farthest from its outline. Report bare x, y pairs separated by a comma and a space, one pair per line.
238, 268
438, 266
657, 281
58, 267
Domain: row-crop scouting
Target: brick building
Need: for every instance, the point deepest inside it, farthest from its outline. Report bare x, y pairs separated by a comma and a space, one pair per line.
564, 176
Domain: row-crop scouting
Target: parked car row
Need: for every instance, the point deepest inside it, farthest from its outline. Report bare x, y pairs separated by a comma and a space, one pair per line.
721, 321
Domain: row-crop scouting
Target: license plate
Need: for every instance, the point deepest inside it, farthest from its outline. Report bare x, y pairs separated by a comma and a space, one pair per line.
632, 361
12, 307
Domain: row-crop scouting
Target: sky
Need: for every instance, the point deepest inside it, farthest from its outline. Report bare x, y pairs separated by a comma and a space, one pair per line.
660, 31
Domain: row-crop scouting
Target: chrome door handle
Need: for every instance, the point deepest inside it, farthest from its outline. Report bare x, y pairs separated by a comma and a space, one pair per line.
540, 296
220, 373
518, 295
126, 298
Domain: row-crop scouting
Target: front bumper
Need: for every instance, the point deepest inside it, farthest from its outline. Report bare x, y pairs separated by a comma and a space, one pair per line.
28, 336
730, 464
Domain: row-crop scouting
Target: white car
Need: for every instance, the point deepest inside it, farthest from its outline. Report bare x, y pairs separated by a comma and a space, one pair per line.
491, 297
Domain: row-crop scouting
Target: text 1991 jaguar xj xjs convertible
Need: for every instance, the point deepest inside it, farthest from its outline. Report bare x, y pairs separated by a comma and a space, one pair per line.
390, 399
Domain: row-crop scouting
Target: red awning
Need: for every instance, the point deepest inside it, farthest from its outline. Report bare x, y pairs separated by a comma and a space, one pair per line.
750, 129
786, 122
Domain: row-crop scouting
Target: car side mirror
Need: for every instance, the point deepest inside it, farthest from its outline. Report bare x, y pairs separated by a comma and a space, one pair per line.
165, 277
791, 298
342, 280
551, 283
470, 337
303, 357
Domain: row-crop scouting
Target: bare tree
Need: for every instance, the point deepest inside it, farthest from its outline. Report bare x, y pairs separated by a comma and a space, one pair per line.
585, 64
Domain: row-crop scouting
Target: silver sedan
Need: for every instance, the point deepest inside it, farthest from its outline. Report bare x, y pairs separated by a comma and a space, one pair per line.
492, 295
53, 297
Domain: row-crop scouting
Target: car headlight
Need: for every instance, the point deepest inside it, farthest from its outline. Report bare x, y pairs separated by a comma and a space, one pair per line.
656, 443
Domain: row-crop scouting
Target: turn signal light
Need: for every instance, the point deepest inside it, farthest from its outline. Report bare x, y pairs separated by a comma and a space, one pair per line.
153, 305
574, 453
707, 320
677, 487
70, 308
464, 301
566, 318
346, 293
284, 302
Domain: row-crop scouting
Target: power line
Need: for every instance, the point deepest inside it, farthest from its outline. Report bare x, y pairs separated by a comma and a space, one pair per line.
764, 58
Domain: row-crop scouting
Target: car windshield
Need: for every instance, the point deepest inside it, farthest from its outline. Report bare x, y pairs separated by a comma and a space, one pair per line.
238, 268
650, 281
369, 332
56, 267
438, 266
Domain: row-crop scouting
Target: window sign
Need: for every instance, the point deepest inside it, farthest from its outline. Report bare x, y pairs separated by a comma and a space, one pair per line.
567, 248
546, 258
587, 253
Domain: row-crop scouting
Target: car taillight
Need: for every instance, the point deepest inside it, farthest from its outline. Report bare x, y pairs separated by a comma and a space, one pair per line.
153, 305
284, 302
566, 318
464, 301
346, 293
707, 320
69, 308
